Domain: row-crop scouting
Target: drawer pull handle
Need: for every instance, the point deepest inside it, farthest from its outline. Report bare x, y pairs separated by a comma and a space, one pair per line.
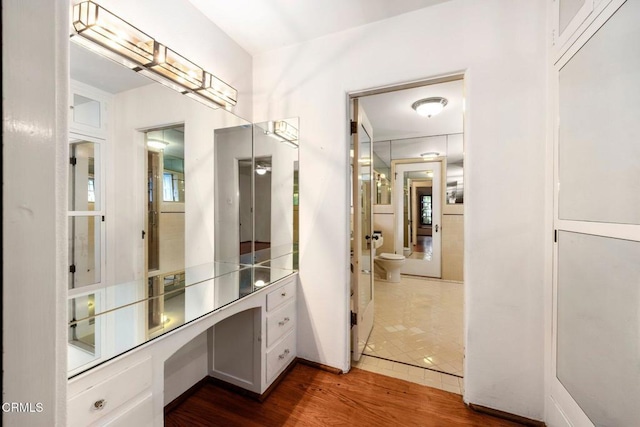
284, 294
99, 404
282, 322
283, 355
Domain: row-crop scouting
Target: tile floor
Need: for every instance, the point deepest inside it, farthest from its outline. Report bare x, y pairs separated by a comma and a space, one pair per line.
418, 322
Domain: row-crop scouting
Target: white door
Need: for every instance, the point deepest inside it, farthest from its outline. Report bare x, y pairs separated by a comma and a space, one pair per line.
595, 346
424, 255
361, 232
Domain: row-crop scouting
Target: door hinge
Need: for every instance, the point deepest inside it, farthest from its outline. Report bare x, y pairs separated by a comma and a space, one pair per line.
73, 161
555, 236
144, 233
354, 127
102, 218
72, 268
354, 318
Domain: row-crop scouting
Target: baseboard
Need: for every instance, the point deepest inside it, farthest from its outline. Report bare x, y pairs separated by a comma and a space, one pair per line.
506, 416
184, 396
320, 366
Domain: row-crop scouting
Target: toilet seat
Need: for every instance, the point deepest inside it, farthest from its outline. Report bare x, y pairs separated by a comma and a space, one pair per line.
394, 257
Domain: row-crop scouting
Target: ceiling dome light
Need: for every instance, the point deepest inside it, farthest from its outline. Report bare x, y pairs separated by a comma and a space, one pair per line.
430, 155
428, 107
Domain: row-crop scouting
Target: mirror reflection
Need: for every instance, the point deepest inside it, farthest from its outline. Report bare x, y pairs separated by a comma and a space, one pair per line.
418, 178
179, 198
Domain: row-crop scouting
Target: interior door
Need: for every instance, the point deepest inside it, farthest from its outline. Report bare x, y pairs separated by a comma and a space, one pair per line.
362, 231
595, 374
423, 258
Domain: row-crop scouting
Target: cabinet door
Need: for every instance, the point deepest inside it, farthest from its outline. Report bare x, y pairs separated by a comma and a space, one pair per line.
596, 314
88, 111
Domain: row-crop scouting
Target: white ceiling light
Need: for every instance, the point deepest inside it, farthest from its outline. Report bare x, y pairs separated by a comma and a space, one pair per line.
158, 145
261, 170
428, 107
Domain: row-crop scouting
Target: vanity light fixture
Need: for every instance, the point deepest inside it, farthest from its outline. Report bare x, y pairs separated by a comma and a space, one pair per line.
102, 31
283, 132
261, 170
429, 107
430, 155
158, 145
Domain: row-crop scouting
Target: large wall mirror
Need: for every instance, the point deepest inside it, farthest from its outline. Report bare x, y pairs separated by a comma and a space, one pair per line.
172, 206
256, 193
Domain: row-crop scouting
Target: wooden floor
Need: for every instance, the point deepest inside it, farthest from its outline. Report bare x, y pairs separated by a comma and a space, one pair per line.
310, 397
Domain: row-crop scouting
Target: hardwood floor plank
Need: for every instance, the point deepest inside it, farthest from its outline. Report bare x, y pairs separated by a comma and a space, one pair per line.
311, 397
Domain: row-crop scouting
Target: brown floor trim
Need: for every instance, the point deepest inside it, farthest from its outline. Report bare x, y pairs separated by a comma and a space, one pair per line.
506, 416
320, 366
184, 396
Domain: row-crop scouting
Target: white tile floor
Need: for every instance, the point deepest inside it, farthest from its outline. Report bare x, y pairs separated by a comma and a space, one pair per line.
418, 322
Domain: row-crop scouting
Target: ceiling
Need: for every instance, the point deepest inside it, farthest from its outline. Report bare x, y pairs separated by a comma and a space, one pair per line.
400, 133
392, 117
95, 70
262, 25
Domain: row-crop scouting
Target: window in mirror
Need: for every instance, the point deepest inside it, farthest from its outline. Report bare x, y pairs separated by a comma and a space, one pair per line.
425, 209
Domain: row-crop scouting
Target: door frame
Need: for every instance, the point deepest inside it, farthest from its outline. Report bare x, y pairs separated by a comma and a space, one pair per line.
446, 209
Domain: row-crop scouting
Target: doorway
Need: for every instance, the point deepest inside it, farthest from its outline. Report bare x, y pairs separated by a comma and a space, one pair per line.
416, 170
165, 229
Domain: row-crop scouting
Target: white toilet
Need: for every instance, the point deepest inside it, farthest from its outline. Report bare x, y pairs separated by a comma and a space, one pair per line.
391, 264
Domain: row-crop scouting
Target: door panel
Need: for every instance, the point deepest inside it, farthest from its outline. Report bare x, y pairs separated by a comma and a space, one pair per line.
595, 376
362, 231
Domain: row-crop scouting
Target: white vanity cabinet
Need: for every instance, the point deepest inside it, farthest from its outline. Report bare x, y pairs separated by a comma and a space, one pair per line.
251, 341
281, 337
274, 341
114, 395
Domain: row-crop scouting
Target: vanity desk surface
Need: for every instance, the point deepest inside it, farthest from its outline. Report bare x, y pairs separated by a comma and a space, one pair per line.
249, 314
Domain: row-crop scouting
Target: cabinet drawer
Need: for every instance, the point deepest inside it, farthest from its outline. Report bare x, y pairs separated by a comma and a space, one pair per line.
139, 415
103, 398
284, 293
280, 356
280, 322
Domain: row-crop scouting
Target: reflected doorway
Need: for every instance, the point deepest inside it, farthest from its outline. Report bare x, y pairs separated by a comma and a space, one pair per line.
165, 229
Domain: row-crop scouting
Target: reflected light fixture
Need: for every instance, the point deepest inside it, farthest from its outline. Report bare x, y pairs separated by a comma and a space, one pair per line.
430, 155
259, 283
102, 31
158, 145
261, 170
429, 107
283, 132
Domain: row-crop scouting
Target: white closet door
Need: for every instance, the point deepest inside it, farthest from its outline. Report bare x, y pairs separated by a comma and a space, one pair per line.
596, 325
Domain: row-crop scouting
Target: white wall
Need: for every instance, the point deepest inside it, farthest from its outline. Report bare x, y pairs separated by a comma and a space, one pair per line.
35, 156
186, 367
501, 46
